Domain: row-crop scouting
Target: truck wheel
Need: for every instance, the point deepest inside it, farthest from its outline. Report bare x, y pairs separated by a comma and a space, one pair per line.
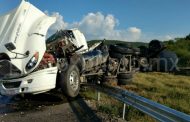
115, 55
124, 81
136, 51
70, 81
121, 49
125, 76
124, 45
155, 46
143, 61
143, 51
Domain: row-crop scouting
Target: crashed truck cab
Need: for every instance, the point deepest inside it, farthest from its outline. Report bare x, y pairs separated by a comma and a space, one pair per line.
22, 47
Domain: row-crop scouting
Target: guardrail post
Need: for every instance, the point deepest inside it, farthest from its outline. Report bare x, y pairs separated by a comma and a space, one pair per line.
124, 107
98, 96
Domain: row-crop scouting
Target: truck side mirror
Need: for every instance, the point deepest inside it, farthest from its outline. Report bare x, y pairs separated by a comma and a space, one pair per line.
10, 46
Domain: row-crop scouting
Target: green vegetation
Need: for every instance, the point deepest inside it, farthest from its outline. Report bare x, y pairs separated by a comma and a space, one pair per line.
168, 89
181, 46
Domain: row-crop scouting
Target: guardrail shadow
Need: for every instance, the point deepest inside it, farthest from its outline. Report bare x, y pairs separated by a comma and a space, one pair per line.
11, 104
83, 112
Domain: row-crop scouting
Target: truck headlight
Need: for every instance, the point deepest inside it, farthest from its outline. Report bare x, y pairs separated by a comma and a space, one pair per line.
32, 62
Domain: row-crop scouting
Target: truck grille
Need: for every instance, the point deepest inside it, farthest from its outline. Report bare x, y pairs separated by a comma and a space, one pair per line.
8, 70
9, 85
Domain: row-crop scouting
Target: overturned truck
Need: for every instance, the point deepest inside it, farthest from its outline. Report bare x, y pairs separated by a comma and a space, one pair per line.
30, 63
156, 57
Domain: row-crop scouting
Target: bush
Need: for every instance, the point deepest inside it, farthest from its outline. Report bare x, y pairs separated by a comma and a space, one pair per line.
181, 46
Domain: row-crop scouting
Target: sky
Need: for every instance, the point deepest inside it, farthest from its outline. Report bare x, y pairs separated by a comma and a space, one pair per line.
128, 20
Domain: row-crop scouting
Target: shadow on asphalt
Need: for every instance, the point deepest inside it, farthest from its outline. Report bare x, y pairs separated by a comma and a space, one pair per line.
29, 102
83, 112
36, 102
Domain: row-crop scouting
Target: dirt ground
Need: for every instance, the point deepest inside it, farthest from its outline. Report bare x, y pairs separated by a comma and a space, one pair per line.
50, 108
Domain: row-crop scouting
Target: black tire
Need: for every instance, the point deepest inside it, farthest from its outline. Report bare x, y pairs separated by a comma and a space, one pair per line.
155, 46
124, 81
144, 51
128, 45
143, 61
136, 51
125, 76
65, 79
115, 55
121, 49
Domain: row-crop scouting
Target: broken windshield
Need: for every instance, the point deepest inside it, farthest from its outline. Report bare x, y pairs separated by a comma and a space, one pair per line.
61, 34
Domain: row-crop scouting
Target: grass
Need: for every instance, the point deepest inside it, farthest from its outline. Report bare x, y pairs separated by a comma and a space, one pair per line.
168, 89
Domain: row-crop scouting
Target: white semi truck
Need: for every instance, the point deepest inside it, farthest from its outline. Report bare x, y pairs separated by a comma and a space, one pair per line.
30, 63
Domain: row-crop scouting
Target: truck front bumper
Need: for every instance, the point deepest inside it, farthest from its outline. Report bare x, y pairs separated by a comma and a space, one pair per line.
36, 82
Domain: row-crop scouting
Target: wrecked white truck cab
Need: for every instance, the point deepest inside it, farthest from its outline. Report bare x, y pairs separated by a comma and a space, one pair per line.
23, 52
22, 46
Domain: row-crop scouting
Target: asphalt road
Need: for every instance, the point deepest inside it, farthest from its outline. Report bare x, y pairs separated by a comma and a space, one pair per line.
49, 107
45, 108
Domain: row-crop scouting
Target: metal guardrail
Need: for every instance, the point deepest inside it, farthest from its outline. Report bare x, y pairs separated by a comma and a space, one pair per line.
159, 112
184, 68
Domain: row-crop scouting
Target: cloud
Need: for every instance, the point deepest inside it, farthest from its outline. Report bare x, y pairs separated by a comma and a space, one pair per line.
168, 37
59, 24
147, 37
98, 26
134, 33
134, 30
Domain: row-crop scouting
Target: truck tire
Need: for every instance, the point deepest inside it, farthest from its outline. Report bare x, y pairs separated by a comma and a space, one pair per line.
115, 55
121, 49
136, 51
143, 51
128, 45
155, 46
124, 81
70, 81
125, 76
143, 61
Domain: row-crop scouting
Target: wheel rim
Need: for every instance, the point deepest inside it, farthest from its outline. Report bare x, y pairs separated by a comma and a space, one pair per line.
144, 62
74, 80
